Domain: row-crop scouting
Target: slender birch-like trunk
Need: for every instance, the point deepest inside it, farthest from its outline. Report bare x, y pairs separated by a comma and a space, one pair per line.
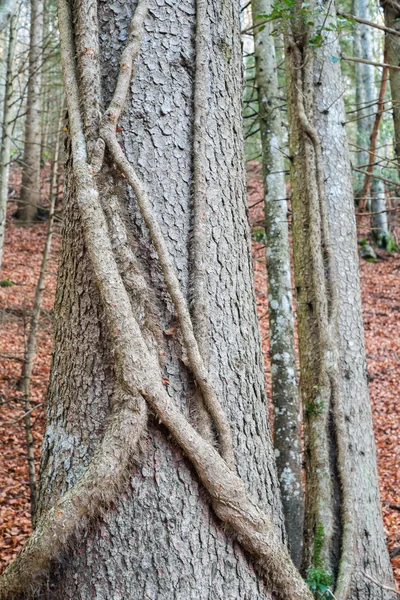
30, 186
285, 396
379, 221
5, 152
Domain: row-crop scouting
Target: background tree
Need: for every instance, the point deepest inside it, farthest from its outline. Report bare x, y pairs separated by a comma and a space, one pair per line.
7, 8
8, 117
131, 325
341, 481
391, 13
30, 186
285, 395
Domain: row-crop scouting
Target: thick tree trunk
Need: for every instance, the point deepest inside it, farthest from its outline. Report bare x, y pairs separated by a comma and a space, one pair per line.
160, 539
340, 451
285, 396
30, 186
5, 152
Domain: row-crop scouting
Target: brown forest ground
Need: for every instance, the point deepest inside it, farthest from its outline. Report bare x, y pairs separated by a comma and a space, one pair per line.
22, 256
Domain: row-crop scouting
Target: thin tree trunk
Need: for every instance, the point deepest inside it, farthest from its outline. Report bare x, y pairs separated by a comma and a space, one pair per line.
392, 14
285, 396
365, 85
30, 185
374, 138
5, 153
379, 218
7, 7
369, 95
344, 530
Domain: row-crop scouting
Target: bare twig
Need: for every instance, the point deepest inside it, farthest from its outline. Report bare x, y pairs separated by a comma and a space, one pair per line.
384, 179
374, 137
369, 23
24, 415
11, 357
369, 62
381, 585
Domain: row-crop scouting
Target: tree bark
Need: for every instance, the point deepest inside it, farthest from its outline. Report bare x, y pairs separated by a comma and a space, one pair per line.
161, 539
285, 396
340, 452
365, 84
30, 185
7, 7
5, 153
392, 14
380, 228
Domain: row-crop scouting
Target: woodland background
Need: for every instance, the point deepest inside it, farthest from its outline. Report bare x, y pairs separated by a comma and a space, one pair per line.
25, 241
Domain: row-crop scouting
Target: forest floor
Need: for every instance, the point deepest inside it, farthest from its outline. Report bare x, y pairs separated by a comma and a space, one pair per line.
22, 257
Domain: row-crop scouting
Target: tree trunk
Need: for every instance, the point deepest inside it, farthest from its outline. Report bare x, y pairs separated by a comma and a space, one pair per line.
344, 531
392, 14
5, 153
160, 539
7, 7
366, 99
365, 82
285, 397
380, 228
30, 186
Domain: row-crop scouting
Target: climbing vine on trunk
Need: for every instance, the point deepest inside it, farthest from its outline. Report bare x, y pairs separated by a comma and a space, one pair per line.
136, 349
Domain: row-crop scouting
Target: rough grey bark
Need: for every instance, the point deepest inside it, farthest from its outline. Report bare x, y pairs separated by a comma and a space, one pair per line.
285, 396
369, 555
160, 539
5, 152
392, 13
30, 185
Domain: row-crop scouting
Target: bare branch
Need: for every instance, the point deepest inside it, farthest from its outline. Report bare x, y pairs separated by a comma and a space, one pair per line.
381, 585
369, 62
369, 23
